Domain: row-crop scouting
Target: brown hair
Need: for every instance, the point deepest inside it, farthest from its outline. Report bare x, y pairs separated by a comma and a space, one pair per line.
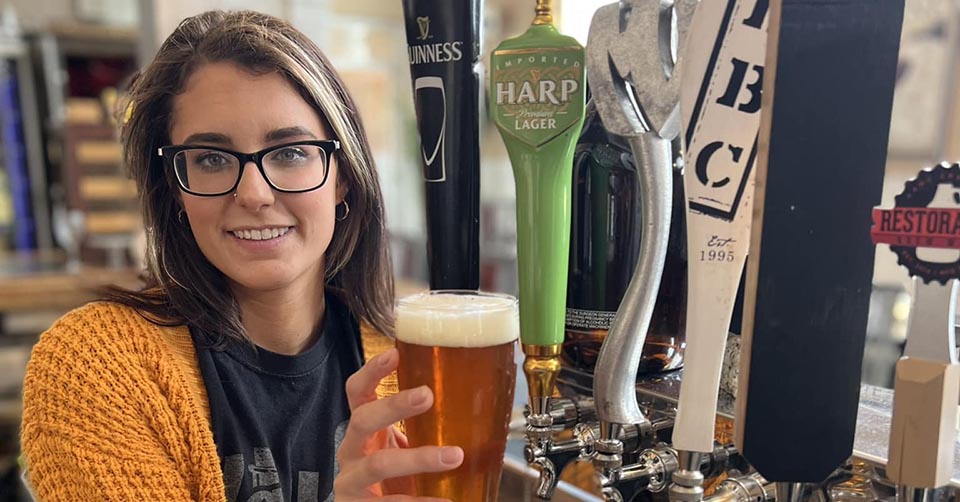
182, 286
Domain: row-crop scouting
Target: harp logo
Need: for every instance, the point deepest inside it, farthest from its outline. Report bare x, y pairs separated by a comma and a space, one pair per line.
424, 24
538, 95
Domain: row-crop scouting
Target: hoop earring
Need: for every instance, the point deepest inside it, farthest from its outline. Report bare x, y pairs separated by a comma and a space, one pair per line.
180, 215
346, 210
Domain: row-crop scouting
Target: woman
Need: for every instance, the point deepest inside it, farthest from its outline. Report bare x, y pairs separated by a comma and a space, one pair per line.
228, 375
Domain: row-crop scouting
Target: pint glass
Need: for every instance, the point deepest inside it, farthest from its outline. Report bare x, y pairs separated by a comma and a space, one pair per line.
461, 345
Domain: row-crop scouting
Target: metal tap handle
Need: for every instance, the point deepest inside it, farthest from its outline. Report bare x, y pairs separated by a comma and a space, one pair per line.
627, 44
614, 384
930, 330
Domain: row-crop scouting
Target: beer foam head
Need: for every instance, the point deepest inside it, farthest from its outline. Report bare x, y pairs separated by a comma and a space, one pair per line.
466, 319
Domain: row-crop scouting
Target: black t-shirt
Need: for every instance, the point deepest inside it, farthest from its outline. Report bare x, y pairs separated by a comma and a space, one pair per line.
278, 420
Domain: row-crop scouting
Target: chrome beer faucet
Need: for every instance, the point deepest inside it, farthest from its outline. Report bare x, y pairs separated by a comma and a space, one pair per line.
655, 469
550, 455
579, 416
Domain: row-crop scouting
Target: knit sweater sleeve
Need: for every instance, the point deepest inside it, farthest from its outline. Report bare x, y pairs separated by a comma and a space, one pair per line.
100, 420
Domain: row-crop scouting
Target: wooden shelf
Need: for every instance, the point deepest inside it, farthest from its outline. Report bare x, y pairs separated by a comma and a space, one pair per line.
59, 289
103, 188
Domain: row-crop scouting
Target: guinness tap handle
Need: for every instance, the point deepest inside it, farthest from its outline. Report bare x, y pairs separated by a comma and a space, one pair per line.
444, 51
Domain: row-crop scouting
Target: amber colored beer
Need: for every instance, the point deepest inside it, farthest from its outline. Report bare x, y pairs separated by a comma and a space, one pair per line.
461, 345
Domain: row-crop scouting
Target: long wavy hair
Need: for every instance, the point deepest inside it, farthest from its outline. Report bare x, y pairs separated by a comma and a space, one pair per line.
182, 286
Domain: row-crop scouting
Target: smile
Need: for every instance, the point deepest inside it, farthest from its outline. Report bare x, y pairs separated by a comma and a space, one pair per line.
260, 234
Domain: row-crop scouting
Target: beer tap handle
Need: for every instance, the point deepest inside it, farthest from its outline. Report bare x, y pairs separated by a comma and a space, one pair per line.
828, 71
626, 45
447, 103
538, 106
634, 100
718, 138
927, 383
538, 99
614, 383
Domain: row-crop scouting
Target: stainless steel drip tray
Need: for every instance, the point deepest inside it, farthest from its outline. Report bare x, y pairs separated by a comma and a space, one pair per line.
660, 393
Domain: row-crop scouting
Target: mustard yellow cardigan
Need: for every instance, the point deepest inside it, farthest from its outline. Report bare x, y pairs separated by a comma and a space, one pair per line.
115, 409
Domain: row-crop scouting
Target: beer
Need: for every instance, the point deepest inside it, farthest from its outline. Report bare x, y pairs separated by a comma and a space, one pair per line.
461, 345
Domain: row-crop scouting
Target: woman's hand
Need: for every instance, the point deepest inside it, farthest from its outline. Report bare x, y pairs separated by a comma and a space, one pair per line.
374, 459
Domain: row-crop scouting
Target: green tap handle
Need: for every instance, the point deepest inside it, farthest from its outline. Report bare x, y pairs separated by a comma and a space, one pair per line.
537, 101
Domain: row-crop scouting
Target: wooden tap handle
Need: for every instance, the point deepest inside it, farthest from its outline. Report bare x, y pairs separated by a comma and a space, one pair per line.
923, 430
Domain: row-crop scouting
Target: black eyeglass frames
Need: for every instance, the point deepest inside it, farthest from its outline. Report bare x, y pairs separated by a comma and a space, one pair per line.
210, 171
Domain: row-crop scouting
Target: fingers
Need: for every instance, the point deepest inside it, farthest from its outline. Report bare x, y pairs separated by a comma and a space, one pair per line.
362, 469
362, 385
395, 463
374, 416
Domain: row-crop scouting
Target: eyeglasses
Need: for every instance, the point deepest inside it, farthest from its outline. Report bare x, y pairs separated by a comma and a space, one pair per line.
210, 171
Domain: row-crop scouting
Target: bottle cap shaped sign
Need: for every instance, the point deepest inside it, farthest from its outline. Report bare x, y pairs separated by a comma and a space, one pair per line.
923, 229
925, 215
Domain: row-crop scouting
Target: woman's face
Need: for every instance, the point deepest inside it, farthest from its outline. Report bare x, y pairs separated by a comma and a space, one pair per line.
223, 105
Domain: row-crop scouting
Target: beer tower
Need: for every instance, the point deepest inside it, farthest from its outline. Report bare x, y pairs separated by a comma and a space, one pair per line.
827, 98
720, 106
537, 101
443, 43
817, 156
922, 231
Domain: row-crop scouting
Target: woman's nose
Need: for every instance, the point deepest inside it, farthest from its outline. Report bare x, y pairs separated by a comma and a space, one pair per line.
253, 191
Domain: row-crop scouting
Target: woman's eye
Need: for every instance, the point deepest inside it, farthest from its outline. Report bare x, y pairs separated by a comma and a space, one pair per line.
292, 154
213, 159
